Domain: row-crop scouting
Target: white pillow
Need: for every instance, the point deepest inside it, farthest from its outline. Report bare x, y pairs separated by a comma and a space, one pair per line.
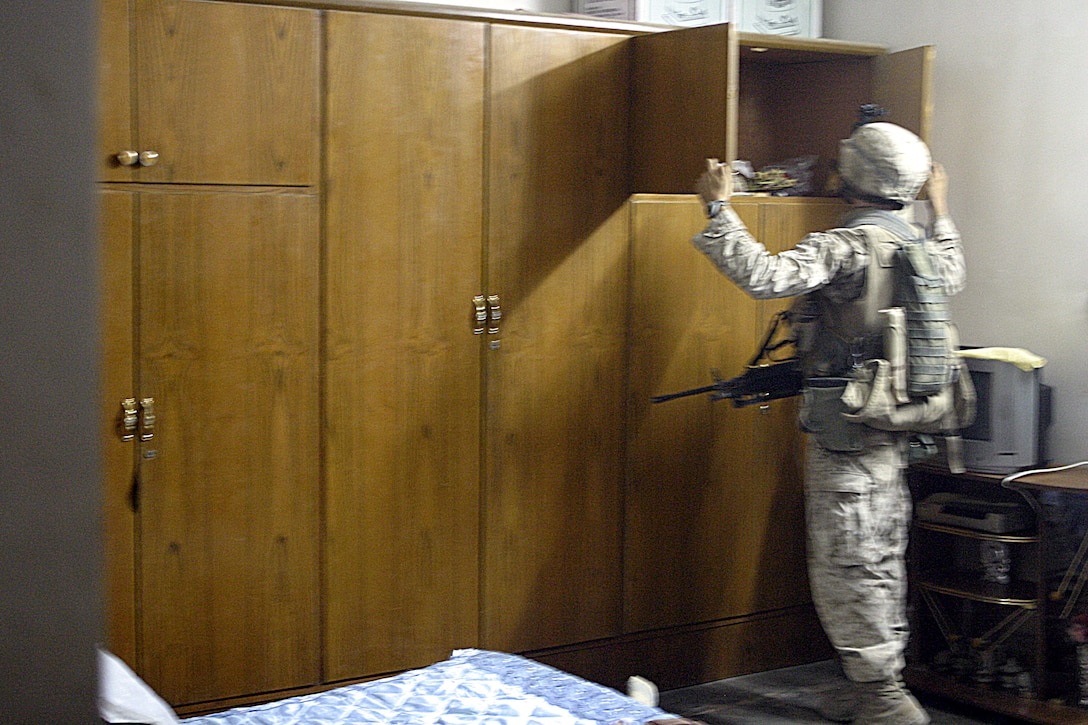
124, 698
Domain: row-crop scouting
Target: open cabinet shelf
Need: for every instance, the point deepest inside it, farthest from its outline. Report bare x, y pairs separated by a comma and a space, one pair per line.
716, 92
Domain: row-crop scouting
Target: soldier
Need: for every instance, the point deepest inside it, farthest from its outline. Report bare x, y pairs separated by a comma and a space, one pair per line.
856, 498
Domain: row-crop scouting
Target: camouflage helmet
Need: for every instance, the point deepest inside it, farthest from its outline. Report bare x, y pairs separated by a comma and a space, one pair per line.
884, 162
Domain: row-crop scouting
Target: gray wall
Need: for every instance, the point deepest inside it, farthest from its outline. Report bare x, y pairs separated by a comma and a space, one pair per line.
1011, 126
49, 480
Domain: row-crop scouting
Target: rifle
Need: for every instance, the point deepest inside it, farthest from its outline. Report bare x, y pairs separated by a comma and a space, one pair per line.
761, 382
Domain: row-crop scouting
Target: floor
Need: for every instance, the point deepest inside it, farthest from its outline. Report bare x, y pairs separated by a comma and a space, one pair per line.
788, 697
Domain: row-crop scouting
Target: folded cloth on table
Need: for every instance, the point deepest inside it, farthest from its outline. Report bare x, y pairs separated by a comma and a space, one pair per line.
1018, 356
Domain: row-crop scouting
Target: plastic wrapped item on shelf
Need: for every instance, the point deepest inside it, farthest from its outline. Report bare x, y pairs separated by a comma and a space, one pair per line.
792, 177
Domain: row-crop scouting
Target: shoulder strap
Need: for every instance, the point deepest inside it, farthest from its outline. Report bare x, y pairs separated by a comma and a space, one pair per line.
858, 327
885, 243
890, 221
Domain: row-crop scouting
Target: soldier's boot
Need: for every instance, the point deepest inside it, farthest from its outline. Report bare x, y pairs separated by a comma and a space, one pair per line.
887, 702
839, 704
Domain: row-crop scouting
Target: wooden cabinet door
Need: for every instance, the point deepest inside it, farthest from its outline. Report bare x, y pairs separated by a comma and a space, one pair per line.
228, 497
557, 257
117, 216
777, 506
224, 93
404, 261
715, 506
684, 89
903, 83
116, 132
692, 463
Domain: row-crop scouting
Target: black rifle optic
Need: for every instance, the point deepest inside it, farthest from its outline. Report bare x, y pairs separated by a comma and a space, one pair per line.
762, 381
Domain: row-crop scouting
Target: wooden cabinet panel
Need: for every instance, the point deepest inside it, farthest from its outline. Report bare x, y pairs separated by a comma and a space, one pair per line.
404, 227
783, 222
212, 525
903, 84
715, 508
118, 382
115, 129
777, 509
225, 93
692, 463
228, 491
684, 101
557, 257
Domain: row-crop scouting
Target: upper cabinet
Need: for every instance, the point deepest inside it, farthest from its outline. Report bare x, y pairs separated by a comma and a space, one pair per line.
716, 92
203, 92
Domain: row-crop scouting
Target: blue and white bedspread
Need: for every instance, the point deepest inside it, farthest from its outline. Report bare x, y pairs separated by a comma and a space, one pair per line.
473, 687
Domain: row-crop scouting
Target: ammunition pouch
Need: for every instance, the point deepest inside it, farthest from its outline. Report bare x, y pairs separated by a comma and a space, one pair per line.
870, 398
823, 415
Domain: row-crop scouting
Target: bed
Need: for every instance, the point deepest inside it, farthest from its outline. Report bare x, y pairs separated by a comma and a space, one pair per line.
472, 687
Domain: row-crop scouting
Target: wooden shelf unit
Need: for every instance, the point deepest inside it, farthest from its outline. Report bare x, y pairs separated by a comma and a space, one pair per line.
958, 619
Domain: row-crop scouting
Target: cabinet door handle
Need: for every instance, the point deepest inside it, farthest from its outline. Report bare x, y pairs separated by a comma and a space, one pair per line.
147, 419
494, 313
127, 157
130, 418
479, 302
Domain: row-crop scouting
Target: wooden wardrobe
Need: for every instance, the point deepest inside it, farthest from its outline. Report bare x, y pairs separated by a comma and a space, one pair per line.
387, 288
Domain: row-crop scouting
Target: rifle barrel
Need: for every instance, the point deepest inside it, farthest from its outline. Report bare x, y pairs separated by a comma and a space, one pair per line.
684, 394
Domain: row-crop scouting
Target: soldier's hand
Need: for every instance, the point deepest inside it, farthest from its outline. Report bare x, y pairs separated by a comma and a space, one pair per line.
716, 183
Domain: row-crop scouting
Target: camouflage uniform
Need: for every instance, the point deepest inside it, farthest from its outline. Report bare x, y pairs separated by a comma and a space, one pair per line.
857, 502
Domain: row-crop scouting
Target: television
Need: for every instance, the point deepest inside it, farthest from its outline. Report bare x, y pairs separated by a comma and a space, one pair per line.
1013, 414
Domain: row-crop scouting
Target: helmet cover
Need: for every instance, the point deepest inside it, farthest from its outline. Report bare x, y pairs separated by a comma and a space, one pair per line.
885, 162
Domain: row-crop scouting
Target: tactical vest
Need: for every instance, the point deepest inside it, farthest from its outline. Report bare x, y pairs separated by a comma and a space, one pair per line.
895, 347
900, 275
931, 362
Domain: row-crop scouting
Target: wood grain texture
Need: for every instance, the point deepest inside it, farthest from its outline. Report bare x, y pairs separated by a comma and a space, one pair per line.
117, 218
692, 654
684, 96
777, 510
115, 129
404, 228
227, 93
557, 255
903, 84
714, 500
690, 461
793, 49
228, 520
